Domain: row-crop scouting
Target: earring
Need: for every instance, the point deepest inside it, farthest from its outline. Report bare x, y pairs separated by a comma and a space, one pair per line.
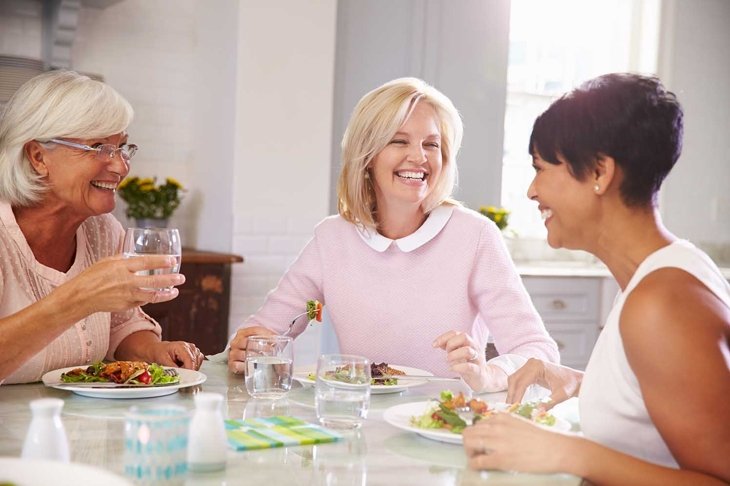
596, 188
367, 175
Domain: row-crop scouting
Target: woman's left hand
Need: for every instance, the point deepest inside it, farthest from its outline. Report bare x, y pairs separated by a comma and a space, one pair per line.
468, 359
512, 443
176, 353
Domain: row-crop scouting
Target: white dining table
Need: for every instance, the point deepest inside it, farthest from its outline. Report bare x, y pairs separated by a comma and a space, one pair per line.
376, 454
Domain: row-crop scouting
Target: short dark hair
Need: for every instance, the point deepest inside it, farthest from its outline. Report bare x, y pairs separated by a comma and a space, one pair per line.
629, 117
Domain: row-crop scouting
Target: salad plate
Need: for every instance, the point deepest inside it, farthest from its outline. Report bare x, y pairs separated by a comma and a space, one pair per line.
187, 378
303, 376
400, 416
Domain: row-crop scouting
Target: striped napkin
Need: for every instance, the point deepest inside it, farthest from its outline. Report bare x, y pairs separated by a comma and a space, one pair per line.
279, 431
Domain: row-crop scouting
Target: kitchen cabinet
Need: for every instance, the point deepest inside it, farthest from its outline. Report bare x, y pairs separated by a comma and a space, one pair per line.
199, 314
573, 310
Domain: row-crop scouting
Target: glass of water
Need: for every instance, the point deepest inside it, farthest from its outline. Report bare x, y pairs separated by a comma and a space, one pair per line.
153, 241
342, 390
269, 364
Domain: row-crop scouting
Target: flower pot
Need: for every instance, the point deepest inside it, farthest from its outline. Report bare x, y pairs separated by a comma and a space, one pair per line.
152, 223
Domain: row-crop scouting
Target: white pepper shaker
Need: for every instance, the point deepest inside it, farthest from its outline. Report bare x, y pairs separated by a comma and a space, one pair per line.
46, 437
207, 441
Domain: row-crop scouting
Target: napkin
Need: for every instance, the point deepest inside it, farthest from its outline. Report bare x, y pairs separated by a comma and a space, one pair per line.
279, 431
221, 357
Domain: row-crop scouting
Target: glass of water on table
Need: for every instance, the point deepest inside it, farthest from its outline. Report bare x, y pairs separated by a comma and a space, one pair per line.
153, 241
269, 366
342, 390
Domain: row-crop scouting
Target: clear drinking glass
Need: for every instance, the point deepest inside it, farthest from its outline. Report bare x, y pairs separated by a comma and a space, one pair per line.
153, 241
269, 365
342, 390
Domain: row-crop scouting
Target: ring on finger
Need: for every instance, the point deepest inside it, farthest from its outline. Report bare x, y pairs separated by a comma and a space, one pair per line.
473, 354
483, 448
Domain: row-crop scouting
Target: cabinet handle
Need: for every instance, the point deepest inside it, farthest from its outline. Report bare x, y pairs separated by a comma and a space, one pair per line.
560, 344
559, 304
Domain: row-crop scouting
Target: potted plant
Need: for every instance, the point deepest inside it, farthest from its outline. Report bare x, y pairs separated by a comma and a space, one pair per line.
149, 203
500, 216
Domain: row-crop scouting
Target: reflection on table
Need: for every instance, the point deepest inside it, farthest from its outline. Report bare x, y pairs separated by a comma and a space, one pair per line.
376, 454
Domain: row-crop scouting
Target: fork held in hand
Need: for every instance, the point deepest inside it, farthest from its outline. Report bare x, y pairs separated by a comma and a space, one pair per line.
291, 326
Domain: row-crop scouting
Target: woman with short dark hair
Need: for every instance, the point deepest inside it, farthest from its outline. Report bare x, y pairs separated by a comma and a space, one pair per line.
654, 405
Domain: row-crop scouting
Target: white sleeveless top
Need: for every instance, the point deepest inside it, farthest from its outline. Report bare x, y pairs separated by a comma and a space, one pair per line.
612, 409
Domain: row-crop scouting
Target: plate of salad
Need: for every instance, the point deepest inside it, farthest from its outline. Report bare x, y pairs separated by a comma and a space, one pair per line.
122, 379
439, 420
306, 375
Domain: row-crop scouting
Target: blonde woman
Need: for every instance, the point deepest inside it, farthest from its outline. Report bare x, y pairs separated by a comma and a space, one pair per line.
408, 275
67, 297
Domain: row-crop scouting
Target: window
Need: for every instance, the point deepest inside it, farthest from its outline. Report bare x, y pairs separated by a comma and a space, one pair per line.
555, 46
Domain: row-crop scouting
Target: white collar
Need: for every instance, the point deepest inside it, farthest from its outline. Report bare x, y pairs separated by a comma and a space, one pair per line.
437, 219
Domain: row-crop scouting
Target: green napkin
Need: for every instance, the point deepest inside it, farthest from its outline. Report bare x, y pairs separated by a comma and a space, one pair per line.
279, 431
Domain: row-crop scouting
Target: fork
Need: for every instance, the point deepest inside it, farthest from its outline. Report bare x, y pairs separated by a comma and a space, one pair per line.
466, 414
291, 326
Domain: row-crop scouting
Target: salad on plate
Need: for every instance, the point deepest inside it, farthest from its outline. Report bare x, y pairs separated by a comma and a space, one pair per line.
377, 373
454, 413
123, 373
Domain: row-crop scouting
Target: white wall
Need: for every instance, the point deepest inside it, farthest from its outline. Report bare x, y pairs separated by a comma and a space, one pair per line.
460, 48
175, 62
283, 138
20, 28
696, 66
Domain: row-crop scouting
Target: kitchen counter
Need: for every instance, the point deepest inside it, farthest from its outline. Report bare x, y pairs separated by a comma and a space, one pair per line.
575, 268
561, 269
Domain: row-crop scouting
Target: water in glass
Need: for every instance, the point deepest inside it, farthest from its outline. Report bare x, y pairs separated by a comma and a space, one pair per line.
269, 365
342, 390
153, 241
268, 376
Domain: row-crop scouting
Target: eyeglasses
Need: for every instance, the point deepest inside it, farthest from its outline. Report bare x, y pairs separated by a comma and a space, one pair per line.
104, 152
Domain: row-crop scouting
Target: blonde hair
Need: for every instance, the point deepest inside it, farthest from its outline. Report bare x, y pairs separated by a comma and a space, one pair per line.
55, 104
374, 122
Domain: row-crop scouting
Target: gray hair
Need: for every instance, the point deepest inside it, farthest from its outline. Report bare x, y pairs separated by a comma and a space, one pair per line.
55, 104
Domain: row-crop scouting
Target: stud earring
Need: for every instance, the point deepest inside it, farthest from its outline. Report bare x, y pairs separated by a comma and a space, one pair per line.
596, 188
367, 175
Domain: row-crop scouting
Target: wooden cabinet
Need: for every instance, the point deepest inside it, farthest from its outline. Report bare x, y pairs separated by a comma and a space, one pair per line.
571, 310
200, 313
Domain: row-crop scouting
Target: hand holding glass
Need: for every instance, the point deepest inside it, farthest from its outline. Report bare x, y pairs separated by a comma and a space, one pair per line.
153, 241
342, 390
269, 363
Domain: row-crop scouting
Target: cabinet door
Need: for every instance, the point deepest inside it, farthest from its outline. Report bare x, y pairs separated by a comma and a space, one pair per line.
565, 299
575, 342
569, 307
200, 313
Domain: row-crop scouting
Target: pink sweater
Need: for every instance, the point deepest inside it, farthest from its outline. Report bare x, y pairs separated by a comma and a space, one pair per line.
388, 300
23, 281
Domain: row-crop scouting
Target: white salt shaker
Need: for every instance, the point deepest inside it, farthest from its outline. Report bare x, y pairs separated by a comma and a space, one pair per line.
46, 438
207, 442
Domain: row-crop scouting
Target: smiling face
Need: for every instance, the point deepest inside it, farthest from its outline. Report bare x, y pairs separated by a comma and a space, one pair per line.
406, 170
78, 182
567, 205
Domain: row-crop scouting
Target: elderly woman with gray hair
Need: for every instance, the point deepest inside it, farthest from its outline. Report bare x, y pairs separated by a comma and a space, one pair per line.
67, 296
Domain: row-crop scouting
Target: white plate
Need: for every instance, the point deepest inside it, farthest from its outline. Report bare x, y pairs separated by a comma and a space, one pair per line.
187, 378
301, 375
400, 416
33, 472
